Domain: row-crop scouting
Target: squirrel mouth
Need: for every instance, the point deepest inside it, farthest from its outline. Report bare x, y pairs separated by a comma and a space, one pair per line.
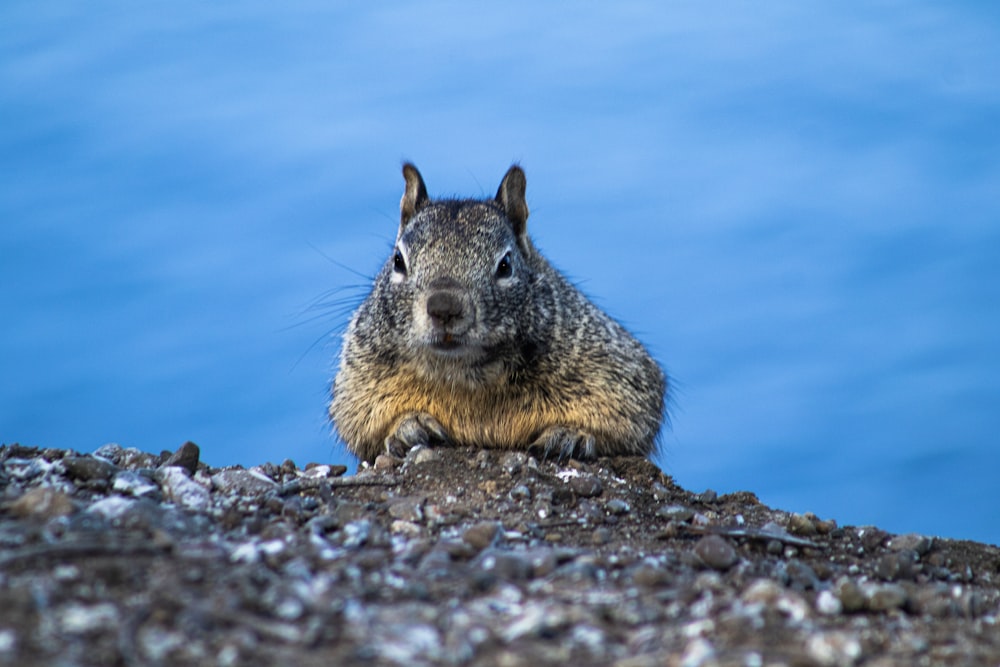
448, 343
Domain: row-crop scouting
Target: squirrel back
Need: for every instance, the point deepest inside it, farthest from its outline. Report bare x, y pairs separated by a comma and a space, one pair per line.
470, 337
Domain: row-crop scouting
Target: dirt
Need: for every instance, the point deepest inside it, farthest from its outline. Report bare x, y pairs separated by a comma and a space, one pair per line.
458, 557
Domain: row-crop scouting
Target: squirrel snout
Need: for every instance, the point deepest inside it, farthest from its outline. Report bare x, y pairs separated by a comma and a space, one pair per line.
444, 308
448, 308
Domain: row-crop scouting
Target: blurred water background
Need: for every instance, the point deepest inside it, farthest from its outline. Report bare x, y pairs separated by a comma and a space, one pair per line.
795, 205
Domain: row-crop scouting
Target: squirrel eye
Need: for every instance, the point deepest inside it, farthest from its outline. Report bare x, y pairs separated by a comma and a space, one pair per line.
398, 263
505, 269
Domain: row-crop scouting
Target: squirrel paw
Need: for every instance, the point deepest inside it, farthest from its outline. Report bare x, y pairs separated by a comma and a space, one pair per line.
415, 428
565, 442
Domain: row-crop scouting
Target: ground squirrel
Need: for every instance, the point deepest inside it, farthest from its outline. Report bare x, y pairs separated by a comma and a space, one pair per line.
470, 337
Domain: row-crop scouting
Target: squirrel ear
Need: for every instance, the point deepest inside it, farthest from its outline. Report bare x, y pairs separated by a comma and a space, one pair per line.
415, 195
511, 197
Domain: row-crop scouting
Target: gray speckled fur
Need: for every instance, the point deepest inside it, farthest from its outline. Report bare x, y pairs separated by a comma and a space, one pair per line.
509, 361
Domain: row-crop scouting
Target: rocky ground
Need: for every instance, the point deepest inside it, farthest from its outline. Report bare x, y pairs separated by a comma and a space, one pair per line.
458, 557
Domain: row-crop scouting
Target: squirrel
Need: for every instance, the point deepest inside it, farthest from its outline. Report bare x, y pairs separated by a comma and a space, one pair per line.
470, 337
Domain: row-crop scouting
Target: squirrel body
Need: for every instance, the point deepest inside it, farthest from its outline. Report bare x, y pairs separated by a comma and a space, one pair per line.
470, 337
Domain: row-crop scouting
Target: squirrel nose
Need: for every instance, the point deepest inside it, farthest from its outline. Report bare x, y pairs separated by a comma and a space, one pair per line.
445, 308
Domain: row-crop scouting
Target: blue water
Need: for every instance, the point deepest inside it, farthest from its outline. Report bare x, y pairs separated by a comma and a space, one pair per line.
797, 207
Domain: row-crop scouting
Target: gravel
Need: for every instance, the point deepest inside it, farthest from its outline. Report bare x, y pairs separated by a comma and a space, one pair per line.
458, 557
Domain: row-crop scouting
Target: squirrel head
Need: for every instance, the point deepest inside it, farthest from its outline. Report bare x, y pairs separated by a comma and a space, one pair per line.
460, 275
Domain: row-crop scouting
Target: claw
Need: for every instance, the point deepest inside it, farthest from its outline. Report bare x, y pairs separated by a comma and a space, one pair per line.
414, 429
563, 443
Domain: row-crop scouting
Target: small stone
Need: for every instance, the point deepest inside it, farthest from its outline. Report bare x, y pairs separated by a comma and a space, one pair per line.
387, 462
457, 550
671, 530
186, 457
586, 485
407, 509
420, 455
43, 503
88, 468
772, 595
707, 497
801, 576
799, 524
887, 597
481, 535
112, 452
237, 481
834, 648
716, 552
507, 565
900, 566
405, 528
920, 544
80, 619
131, 483
181, 489
675, 513
520, 492
650, 576
850, 595
828, 604
825, 526
617, 506
484, 459
513, 462
314, 471
935, 601
871, 537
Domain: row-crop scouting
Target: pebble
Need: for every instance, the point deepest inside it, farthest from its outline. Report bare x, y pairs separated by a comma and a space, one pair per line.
675, 513
834, 648
885, 597
127, 458
716, 552
768, 594
407, 509
88, 468
801, 576
406, 527
650, 575
181, 489
242, 482
851, 597
484, 459
513, 462
419, 455
800, 524
586, 485
828, 604
186, 457
520, 492
899, 566
387, 462
131, 483
707, 497
919, 544
600, 536
617, 506
506, 565
481, 535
